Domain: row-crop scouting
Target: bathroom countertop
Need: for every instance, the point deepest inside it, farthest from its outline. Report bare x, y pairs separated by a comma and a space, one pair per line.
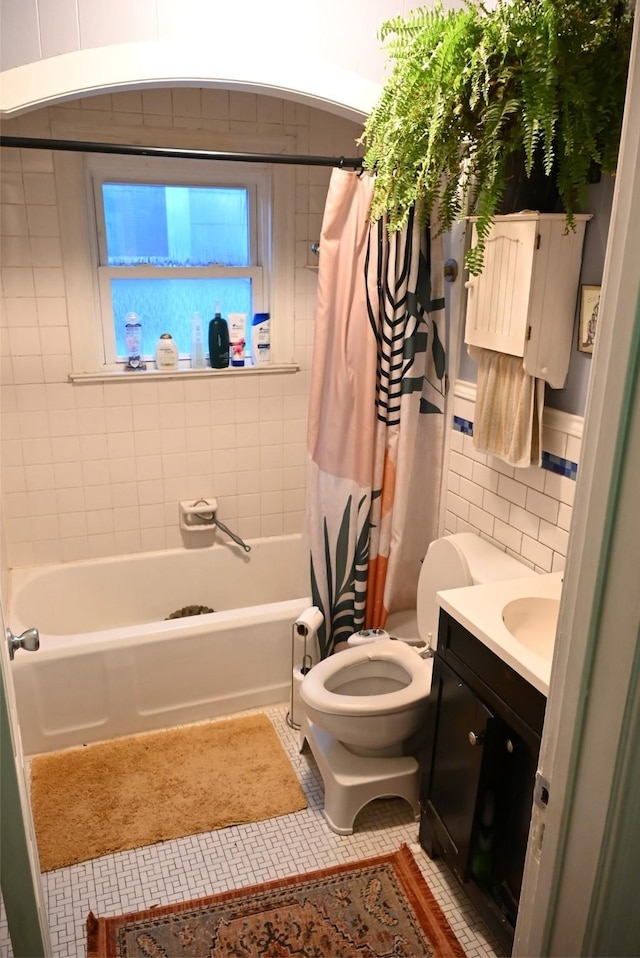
479, 609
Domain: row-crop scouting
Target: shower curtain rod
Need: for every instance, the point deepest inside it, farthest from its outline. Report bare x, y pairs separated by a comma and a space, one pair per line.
79, 146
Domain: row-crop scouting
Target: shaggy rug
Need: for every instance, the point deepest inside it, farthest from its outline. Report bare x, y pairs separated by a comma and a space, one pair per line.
133, 791
377, 908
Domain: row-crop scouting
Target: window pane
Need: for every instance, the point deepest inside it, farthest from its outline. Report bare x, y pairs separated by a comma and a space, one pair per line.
176, 225
168, 305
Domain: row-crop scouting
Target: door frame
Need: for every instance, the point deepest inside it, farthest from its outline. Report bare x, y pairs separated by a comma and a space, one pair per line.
592, 700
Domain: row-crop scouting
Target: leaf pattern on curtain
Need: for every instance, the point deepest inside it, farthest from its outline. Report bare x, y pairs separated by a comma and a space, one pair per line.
405, 305
400, 319
374, 459
342, 602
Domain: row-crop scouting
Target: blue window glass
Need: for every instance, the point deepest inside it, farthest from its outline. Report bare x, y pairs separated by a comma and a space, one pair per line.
149, 224
168, 305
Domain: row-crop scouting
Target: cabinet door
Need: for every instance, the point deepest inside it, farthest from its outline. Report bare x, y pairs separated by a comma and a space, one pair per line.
498, 299
509, 775
452, 786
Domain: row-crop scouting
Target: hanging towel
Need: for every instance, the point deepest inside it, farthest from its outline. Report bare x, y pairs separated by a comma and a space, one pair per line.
508, 414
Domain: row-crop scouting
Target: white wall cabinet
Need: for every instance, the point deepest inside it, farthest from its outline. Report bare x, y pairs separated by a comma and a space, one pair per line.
524, 301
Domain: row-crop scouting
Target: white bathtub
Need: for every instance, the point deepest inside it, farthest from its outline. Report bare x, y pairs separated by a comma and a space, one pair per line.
110, 665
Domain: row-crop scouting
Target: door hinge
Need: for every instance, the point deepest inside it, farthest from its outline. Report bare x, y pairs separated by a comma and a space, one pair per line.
538, 241
528, 333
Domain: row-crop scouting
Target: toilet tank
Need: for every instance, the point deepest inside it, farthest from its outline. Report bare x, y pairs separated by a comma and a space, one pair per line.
455, 561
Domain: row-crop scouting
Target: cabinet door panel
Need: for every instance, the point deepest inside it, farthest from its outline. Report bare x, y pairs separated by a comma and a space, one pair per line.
498, 299
456, 765
514, 779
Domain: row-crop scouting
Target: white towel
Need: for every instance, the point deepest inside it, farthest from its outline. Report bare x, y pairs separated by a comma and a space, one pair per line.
509, 404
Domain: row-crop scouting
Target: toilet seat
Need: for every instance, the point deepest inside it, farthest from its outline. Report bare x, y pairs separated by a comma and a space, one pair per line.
392, 660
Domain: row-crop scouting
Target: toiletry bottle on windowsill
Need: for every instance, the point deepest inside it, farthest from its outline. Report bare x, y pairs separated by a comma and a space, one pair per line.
133, 338
261, 339
197, 343
218, 341
166, 352
237, 334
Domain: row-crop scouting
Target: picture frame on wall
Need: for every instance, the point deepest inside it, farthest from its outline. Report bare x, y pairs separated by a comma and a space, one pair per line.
589, 307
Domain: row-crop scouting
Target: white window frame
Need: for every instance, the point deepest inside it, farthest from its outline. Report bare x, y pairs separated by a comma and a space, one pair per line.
89, 310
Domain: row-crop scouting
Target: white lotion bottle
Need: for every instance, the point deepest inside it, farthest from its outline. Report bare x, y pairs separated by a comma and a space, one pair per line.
197, 343
166, 353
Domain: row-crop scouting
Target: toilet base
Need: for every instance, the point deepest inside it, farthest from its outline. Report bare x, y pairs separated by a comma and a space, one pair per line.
352, 781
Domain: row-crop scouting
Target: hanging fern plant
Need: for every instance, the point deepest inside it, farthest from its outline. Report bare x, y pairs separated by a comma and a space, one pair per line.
471, 89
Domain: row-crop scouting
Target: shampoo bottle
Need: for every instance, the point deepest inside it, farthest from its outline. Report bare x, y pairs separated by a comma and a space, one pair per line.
166, 352
261, 339
197, 343
218, 341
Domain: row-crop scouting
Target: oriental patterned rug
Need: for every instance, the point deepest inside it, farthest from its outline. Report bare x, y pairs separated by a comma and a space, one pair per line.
377, 908
140, 789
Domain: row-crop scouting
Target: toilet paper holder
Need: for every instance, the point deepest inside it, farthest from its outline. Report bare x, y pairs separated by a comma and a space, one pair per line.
305, 627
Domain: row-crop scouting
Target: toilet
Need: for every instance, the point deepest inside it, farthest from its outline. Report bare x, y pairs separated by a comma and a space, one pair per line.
361, 706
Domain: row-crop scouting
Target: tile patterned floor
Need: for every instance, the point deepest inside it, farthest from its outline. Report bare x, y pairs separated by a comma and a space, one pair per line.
244, 855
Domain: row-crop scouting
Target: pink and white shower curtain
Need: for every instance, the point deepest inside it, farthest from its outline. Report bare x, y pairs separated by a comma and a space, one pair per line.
376, 423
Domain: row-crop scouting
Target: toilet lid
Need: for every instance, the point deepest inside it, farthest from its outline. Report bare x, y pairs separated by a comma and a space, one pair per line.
444, 567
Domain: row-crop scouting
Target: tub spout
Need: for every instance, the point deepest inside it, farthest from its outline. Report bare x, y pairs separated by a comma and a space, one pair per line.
233, 536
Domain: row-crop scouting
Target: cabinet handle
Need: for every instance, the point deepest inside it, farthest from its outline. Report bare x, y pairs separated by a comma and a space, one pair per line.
476, 738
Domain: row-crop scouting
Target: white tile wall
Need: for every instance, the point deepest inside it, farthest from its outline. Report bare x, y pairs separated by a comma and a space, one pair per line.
526, 512
98, 469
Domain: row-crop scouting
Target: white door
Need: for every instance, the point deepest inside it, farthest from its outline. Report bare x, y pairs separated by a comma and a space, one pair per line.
19, 867
582, 867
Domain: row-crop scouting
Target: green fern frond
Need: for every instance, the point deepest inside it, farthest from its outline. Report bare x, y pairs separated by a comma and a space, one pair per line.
469, 88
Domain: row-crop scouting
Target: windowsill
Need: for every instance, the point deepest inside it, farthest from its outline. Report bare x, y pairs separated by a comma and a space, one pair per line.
137, 375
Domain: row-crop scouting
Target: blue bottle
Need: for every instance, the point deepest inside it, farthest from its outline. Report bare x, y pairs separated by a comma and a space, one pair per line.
218, 341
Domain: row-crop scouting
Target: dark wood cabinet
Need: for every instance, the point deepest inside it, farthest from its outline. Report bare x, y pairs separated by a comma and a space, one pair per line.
478, 772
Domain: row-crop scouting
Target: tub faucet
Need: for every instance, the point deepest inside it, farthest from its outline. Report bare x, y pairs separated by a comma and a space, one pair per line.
232, 535
202, 515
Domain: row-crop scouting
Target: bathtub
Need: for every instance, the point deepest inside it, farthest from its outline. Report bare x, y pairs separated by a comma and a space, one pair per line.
110, 664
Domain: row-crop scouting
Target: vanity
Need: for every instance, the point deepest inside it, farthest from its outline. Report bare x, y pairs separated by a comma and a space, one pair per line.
484, 725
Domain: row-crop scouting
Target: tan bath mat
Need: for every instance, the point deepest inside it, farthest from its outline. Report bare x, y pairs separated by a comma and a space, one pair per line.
128, 792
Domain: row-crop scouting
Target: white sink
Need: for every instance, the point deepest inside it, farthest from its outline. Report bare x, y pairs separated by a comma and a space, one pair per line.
532, 620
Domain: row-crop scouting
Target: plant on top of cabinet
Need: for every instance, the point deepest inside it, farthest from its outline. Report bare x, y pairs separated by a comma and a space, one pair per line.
476, 93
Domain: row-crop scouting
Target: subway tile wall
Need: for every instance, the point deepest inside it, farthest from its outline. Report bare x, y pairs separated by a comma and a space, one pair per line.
98, 469
525, 512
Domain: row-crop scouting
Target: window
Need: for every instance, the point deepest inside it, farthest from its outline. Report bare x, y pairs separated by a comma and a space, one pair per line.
170, 247
165, 239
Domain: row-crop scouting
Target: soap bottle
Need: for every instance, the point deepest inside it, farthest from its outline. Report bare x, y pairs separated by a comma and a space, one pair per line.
197, 343
218, 341
166, 352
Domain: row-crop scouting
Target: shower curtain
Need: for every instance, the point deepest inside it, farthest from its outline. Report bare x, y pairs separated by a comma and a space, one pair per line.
376, 424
